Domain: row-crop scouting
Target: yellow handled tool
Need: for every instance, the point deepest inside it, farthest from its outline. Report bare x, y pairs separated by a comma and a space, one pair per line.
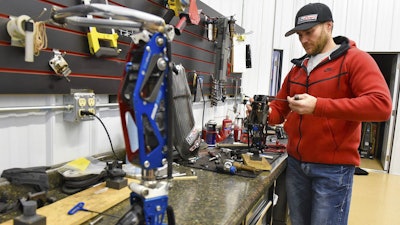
94, 38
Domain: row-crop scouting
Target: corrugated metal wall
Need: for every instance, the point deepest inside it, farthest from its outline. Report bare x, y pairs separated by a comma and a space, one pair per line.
372, 24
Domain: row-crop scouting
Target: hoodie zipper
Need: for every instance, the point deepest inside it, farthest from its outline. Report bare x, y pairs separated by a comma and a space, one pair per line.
342, 49
301, 116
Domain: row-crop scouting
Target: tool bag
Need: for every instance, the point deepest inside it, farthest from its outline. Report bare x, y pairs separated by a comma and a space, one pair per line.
34, 176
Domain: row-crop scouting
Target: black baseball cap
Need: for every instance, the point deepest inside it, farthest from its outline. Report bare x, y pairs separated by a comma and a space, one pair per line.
309, 16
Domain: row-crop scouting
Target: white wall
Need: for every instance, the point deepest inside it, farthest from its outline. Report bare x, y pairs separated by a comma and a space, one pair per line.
44, 138
372, 24
257, 18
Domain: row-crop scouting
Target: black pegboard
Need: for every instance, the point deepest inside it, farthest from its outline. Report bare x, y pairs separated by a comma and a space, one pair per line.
192, 49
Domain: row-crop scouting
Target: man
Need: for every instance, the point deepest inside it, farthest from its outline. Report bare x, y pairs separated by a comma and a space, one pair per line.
329, 92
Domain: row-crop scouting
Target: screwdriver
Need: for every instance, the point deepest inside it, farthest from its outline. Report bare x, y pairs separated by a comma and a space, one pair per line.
79, 207
270, 98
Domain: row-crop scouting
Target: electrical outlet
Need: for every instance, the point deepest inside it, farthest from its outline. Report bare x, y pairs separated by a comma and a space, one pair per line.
80, 101
91, 102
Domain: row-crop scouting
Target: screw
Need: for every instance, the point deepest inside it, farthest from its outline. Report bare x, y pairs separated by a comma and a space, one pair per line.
160, 41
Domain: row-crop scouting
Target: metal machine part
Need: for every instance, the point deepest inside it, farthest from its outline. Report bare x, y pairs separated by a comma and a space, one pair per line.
257, 121
223, 46
187, 138
144, 101
143, 104
116, 176
123, 17
59, 65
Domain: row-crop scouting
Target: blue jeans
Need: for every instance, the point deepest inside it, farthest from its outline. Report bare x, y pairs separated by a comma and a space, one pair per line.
318, 194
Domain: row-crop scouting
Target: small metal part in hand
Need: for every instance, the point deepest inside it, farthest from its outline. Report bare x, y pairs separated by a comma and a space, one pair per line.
296, 97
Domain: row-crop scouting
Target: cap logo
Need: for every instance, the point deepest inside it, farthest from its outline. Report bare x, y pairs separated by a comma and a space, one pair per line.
307, 18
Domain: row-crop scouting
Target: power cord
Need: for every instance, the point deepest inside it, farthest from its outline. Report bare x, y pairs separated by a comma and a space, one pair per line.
87, 113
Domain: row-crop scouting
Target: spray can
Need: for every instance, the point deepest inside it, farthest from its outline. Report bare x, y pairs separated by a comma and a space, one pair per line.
237, 129
211, 132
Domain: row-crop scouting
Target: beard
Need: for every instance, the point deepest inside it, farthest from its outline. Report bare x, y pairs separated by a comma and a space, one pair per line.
317, 47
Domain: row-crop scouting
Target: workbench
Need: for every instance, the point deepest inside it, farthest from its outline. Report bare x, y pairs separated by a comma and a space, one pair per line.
217, 199
211, 198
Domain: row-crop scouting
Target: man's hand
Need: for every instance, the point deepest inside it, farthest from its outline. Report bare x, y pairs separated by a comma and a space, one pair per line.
302, 103
248, 106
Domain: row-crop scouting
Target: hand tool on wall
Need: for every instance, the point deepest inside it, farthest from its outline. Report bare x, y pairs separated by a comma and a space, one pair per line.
223, 45
190, 17
211, 28
231, 24
95, 38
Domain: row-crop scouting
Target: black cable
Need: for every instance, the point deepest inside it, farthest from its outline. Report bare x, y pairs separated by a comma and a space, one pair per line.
108, 135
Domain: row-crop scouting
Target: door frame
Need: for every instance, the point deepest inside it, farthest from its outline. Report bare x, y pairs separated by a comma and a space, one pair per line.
392, 77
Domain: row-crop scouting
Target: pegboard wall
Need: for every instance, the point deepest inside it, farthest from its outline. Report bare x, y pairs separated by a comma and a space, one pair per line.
103, 75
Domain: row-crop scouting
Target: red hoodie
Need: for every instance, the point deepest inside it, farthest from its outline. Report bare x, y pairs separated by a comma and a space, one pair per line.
349, 88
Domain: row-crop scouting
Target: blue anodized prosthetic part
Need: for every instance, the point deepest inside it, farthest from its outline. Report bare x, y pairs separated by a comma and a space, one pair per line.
148, 101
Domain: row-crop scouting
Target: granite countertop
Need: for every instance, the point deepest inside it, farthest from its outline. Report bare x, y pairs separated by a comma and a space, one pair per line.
212, 198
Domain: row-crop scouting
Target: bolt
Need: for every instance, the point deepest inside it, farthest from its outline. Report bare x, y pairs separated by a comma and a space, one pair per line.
161, 64
145, 192
160, 41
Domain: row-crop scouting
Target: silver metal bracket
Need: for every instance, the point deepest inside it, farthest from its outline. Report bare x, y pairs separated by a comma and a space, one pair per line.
59, 65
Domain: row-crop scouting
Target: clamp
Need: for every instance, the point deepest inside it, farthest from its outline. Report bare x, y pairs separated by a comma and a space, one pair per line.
116, 175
